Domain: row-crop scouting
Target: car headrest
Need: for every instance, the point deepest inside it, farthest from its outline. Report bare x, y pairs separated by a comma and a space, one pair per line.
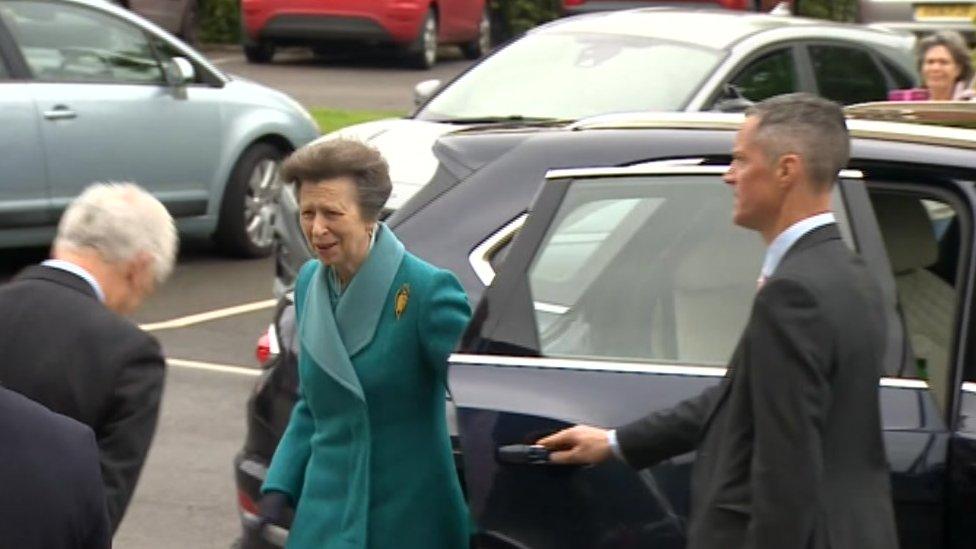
907, 231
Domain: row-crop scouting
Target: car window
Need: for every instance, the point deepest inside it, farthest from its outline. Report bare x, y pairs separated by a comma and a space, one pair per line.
644, 268
902, 80
573, 75
922, 237
65, 43
847, 75
772, 74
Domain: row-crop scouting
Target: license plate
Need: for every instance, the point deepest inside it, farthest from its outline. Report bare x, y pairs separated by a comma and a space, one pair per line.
945, 12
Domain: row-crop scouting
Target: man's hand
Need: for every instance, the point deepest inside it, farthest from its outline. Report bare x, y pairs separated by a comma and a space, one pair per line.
581, 445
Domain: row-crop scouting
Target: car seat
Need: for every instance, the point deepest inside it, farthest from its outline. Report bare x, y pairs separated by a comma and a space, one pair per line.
927, 301
714, 285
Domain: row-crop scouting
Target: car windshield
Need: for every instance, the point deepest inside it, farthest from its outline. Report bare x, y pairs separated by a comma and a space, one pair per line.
568, 76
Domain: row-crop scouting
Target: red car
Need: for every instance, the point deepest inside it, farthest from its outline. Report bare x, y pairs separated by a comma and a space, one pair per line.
415, 27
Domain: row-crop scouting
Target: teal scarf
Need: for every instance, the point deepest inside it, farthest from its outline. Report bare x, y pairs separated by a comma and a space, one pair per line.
333, 338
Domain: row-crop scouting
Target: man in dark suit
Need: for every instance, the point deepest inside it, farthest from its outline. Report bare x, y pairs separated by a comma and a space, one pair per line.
790, 449
65, 343
52, 489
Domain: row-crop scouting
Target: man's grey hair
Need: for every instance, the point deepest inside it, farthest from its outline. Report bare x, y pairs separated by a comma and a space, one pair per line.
119, 221
806, 125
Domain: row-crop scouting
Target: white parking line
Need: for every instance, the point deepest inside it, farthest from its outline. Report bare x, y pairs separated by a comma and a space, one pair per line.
284, 56
208, 366
207, 316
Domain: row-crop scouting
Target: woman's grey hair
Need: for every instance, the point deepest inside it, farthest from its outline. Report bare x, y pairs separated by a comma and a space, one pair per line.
809, 126
952, 41
119, 221
343, 158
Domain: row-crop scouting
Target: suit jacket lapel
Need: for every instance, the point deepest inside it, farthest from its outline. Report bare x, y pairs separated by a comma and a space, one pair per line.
319, 335
331, 340
361, 305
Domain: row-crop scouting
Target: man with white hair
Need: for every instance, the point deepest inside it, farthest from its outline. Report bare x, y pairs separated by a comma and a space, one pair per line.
64, 341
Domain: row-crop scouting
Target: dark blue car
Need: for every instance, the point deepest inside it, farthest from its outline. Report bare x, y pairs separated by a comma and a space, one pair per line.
621, 288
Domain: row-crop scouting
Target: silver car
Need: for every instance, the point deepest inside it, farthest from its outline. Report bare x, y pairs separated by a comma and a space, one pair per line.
90, 92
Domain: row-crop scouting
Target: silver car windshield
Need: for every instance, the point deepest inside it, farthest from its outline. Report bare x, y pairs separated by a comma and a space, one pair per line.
568, 76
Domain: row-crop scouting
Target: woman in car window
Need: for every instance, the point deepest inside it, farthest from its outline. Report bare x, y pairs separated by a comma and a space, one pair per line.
366, 458
945, 66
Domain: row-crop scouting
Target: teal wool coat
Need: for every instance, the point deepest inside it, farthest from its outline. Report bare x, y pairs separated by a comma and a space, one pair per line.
366, 455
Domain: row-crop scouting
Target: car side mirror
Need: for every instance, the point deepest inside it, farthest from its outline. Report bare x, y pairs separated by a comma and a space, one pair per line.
424, 91
731, 100
179, 72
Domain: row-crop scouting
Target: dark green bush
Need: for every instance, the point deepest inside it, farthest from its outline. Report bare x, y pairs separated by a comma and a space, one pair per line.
514, 17
832, 10
220, 21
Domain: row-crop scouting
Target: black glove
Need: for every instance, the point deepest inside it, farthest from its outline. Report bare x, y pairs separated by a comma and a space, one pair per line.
271, 507
271, 510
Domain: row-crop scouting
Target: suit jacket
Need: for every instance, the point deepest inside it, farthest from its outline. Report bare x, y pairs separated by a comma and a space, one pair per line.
367, 455
64, 349
790, 448
52, 496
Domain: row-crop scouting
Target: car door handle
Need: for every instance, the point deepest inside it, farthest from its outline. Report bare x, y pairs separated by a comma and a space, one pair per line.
60, 112
522, 454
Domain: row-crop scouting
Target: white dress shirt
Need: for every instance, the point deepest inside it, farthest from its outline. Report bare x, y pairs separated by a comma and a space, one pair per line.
774, 254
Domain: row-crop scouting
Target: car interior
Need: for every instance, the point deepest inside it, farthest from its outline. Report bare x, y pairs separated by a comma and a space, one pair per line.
911, 227
594, 284
80, 45
687, 304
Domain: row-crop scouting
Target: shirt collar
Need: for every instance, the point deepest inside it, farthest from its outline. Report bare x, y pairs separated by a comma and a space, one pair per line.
785, 240
78, 271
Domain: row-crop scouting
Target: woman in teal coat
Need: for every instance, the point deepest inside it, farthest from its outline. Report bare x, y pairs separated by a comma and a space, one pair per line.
366, 458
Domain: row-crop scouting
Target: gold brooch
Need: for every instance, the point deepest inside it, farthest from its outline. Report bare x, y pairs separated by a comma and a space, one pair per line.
400, 304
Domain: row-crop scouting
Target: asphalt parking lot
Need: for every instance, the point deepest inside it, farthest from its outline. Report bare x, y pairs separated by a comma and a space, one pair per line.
341, 82
208, 317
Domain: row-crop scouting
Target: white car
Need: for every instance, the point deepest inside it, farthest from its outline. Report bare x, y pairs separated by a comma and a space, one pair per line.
650, 59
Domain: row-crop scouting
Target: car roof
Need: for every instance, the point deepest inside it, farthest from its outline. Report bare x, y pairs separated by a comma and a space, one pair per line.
949, 124
712, 28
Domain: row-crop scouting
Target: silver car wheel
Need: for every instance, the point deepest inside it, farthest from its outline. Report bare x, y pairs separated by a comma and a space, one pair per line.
484, 33
430, 40
259, 203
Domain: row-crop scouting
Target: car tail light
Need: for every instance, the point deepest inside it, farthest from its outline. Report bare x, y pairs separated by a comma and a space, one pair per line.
245, 502
267, 347
570, 3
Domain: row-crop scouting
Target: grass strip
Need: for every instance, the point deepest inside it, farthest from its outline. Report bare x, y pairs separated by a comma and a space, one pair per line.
330, 120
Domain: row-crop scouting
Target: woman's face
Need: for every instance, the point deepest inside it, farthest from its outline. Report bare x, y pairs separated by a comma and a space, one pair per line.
939, 71
334, 225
